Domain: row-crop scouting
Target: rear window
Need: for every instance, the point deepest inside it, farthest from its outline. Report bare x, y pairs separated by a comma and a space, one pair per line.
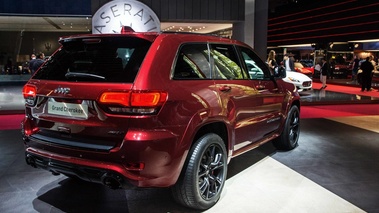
110, 59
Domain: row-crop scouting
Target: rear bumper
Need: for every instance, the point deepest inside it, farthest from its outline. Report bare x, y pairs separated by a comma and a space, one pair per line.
110, 175
150, 160
144, 158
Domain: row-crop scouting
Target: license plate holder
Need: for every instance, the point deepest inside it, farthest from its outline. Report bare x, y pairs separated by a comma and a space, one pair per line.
71, 110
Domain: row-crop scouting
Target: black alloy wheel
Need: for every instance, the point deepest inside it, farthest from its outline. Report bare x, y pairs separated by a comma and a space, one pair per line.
204, 175
289, 137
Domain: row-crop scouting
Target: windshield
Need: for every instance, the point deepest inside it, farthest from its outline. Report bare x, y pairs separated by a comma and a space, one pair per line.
108, 59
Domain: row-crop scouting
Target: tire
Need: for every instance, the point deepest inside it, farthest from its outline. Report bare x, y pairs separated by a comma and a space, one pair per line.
204, 174
291, 131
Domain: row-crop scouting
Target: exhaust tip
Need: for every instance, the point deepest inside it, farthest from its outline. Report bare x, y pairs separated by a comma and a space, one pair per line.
112, 181
30, 161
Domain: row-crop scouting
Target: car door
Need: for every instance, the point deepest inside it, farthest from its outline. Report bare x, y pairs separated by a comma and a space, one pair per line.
270, 93
252, 104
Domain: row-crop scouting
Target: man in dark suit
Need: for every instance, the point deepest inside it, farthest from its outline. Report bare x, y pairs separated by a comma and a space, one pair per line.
288, 63
324, 73
36, 63
367, 69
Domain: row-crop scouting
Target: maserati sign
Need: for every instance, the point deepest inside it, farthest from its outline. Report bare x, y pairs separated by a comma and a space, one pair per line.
114, 15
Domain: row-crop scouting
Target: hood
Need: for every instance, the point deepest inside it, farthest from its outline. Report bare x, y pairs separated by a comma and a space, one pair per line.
297, 75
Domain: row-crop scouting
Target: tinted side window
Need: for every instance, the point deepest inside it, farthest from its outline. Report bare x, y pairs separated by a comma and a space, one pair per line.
226, 62
255, 66
192, 62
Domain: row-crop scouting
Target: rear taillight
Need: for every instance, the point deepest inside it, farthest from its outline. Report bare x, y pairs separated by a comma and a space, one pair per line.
133, 102
30, 93
122, 98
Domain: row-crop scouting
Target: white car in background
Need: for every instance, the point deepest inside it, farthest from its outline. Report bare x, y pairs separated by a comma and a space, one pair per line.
301, 81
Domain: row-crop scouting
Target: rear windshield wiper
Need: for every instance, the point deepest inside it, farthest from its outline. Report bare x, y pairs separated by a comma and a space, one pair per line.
78, 75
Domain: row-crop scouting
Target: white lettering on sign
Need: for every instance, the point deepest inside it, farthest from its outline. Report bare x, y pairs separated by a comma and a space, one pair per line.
114, 15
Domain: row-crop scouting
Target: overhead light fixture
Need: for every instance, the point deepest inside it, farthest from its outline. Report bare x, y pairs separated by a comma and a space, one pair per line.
296, 45
363, 41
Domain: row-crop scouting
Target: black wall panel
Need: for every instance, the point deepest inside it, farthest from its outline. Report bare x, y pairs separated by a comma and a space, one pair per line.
191, 10
220, 10
323, 22
41, 7
179, 9
171, 9
235, 10
204, 7
196, 8
227, 10
212, 9
188, 8
164, 10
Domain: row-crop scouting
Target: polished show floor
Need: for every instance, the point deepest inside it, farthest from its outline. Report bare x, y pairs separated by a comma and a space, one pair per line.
335, 168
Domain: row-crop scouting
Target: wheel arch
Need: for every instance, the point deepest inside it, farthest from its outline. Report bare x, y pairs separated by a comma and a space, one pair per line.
295, 103
218, 128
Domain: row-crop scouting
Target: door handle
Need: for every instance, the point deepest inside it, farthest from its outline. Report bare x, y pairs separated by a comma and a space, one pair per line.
260, 87
225, 88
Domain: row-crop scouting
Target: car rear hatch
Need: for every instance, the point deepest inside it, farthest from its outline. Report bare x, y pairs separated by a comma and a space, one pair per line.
81, 97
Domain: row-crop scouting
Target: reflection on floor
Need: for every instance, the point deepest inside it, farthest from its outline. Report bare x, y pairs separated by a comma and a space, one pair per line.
11, 99
337, 94
324, 111
270, 186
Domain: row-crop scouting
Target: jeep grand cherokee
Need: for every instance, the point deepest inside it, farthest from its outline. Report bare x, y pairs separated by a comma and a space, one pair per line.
155, 110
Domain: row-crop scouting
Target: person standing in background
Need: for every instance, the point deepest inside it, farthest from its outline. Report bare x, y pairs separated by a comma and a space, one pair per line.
355, 68
9, 66
288, 63
332, 68
367, 70
373, 63
33, 59
271, 61
30, 64
324, 73
34, 64
317, 68
372, 60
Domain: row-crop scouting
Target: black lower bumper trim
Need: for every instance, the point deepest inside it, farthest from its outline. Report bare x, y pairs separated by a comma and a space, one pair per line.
109, 178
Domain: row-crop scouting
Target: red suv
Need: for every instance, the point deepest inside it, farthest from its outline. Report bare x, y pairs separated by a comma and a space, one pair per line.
155, 110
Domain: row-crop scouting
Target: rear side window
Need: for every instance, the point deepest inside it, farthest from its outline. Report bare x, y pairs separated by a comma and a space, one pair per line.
192, 62
226, 62
115, 59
